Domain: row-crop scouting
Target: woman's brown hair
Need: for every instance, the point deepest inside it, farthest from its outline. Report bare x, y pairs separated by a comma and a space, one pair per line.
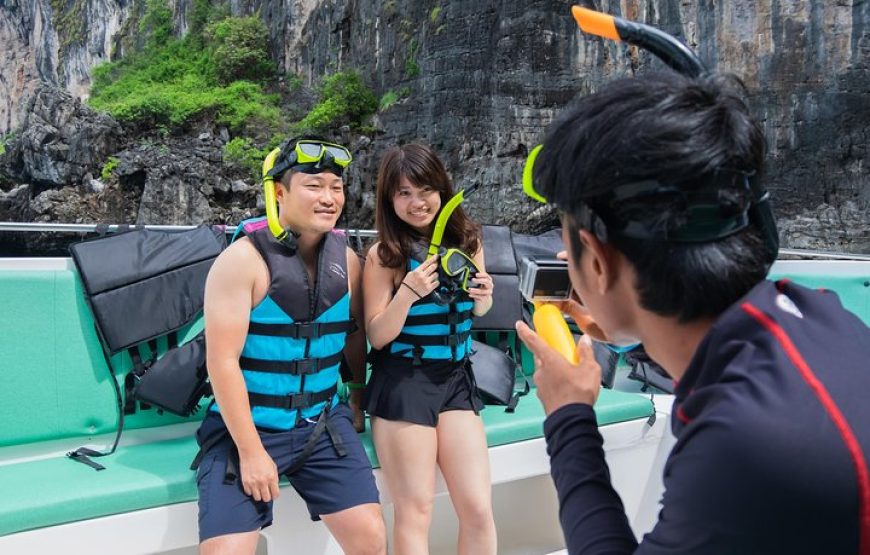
421, 166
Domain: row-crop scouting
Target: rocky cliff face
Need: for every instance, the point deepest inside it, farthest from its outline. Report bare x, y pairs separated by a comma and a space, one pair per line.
481, 80
492, 75
56, 42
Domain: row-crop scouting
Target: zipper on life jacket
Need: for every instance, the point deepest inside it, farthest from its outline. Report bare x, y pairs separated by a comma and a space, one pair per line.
313, 292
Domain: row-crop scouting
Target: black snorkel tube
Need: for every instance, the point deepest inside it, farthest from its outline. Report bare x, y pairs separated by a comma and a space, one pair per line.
662, 45
680, 58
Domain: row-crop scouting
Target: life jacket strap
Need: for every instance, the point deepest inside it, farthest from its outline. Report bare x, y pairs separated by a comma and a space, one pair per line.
443, 340
293, 401
299, 367
301, 330
450, 319
323, 423
232, 470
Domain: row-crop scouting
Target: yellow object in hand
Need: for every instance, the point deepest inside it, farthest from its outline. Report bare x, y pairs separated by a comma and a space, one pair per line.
552, 328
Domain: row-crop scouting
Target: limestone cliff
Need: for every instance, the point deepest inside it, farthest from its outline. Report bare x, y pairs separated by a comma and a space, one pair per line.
481, 80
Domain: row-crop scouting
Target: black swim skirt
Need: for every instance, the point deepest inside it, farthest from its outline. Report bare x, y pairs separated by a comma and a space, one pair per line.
399, 390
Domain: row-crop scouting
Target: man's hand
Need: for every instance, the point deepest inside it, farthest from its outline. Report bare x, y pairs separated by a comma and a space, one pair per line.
574, 308
259, 475
581, 317
355, 403
559, 382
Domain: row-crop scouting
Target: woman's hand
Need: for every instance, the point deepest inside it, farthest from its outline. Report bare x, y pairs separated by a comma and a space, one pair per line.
483, 287
423, 279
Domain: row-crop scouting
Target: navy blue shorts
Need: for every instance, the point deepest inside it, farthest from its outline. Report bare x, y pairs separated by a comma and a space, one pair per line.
328, 483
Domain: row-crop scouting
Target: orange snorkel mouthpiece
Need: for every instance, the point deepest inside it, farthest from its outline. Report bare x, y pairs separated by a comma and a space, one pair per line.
595, 23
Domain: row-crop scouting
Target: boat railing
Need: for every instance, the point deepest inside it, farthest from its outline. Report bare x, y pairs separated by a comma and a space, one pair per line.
355, 233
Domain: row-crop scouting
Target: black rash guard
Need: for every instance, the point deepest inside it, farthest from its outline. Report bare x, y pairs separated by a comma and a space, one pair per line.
772, 420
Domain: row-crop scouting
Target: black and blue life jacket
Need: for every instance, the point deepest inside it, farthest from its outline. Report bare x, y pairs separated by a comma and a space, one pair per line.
433, 331
291, 357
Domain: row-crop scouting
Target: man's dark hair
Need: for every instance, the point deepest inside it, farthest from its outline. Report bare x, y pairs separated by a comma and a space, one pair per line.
680, 131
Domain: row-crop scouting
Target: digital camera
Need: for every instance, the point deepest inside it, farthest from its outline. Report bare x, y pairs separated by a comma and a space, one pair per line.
544, 279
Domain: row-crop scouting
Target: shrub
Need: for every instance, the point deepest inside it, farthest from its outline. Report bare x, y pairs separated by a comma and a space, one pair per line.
156, 23
391, 97
170, 85
239, 47
109, 168
343, 99
241, 152
412, 69
388, 99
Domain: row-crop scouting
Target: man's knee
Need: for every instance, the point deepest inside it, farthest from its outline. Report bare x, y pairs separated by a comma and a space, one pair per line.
239, 543
372, 540
361, 531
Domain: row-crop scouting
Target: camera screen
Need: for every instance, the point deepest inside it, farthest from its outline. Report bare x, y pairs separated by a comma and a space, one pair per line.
552, 283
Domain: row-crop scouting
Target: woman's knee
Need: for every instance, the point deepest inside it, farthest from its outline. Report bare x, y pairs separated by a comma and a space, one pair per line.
475, 514
418, 508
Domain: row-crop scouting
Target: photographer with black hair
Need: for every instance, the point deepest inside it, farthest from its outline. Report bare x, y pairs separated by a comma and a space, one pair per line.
656, 179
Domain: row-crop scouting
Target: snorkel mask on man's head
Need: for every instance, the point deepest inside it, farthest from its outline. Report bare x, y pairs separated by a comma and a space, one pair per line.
724, 203
304, 155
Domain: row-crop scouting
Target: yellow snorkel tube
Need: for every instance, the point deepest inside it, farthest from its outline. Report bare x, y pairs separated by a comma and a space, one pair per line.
308, 155
282, 235
455, 268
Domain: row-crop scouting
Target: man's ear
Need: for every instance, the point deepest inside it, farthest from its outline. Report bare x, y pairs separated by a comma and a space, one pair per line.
280, 191
598, 262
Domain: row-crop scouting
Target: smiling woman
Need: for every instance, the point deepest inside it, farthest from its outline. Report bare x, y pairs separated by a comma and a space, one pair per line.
422, 396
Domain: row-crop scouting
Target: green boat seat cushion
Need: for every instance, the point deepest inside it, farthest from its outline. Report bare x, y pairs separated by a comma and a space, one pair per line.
57, 490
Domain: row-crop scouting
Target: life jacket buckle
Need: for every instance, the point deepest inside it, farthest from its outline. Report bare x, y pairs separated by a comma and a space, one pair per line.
300, 400
305, 330
417, 351
306, 366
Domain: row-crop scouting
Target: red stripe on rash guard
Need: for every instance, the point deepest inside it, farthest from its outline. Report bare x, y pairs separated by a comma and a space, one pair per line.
682, 415
835, 414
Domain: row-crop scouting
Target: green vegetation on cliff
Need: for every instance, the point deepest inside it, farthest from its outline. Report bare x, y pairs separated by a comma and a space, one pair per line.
220, 71
218, 74
343, 100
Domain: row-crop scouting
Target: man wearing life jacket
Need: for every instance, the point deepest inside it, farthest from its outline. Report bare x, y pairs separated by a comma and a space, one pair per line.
669, 239
283, 305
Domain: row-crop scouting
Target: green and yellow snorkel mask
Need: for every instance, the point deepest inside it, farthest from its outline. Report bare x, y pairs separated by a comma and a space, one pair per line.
455, 268
306, 156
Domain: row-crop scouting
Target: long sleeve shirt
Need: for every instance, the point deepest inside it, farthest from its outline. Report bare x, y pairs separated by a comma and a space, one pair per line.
772, 420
